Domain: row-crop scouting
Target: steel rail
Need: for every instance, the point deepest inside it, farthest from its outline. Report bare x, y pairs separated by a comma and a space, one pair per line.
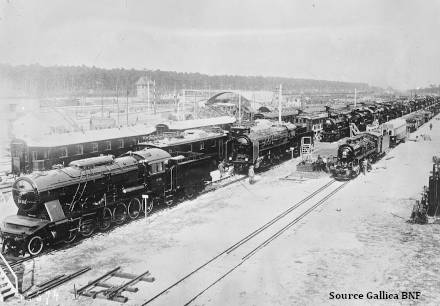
267, 241
240, 242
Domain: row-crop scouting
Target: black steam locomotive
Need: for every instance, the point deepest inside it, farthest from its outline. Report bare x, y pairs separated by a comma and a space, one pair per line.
335, 128
338, 126
266, 146
57, 205
366, 146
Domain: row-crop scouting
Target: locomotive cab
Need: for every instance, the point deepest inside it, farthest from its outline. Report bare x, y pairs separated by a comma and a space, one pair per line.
242, 153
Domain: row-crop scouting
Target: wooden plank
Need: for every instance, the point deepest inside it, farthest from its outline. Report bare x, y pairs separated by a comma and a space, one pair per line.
107, 285
131, 276
99, 295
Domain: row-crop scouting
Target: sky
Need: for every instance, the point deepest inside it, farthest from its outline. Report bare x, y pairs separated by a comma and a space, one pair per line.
380, 42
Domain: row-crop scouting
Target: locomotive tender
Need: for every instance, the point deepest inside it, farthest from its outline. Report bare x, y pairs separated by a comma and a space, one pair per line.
57, 205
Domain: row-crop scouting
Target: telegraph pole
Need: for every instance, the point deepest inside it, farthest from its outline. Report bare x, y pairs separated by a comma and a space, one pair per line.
127, 107
148, 93
239, 108
279, 103
117, 104
355, 97
154, 96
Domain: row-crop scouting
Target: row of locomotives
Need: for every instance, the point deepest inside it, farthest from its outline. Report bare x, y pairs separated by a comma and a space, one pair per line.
262, 147
358, 153
362, 117
93, 194
337, 125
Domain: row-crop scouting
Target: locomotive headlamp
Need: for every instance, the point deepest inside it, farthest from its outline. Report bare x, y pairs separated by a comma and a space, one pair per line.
230, 158
246, 159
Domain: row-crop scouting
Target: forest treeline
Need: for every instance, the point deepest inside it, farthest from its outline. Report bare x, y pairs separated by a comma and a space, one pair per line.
37, 80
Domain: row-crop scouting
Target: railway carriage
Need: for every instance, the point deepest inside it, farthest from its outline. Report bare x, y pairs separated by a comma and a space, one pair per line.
208, 142
40, 154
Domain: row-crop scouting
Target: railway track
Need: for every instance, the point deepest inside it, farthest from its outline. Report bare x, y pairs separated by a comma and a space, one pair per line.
234, 256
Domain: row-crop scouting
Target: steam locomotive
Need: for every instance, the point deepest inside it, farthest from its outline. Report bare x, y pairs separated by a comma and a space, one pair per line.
93, 193
370, 146
265, 146
337, 127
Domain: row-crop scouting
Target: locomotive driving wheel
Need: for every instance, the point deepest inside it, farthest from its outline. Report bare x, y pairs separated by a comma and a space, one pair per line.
86, 228
73, 233
134, 208
190, 193
35, 245
120, 213
105, 219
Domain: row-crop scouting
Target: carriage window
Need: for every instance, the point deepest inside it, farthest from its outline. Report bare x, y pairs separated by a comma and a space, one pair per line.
63, 152
107, 145
202, 145
121, 143
45, 154
79, 149
34, 155
94, 147
156, 168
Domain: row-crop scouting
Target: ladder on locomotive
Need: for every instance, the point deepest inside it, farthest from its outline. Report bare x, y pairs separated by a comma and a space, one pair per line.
74, 199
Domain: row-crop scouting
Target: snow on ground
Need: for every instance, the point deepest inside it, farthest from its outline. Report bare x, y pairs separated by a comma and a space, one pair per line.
358, 241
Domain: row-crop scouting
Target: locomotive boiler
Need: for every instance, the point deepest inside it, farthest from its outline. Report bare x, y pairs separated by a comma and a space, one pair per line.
94, 193
262, 147
370, 146
334, 129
